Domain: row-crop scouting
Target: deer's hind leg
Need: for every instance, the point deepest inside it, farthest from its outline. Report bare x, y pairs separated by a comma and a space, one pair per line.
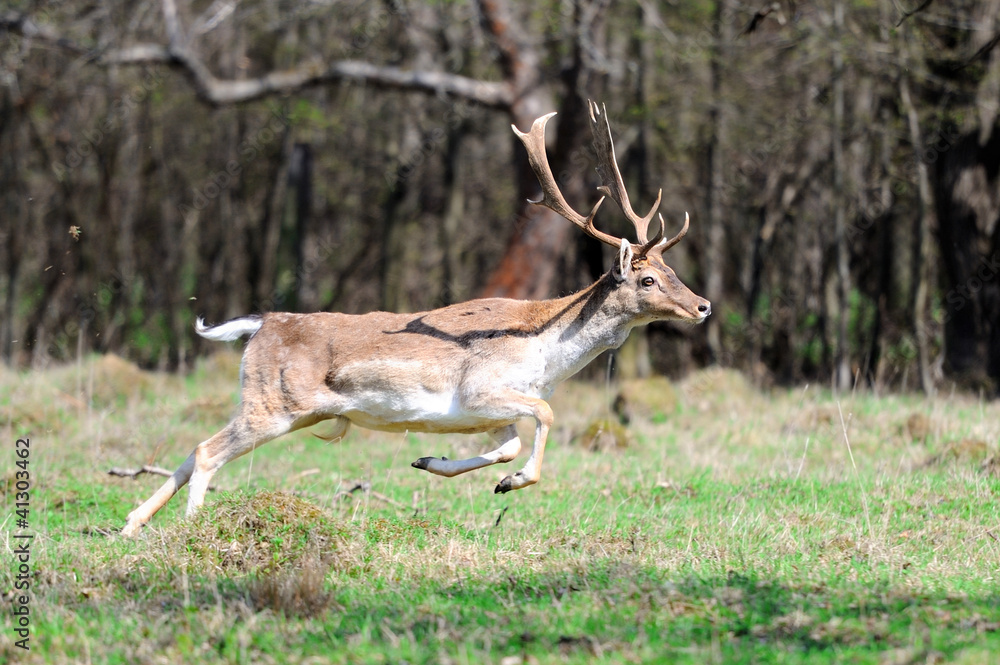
246, 431
235, 439
244, 434
145, 512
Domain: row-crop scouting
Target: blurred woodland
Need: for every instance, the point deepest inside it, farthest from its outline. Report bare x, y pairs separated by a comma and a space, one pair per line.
164, 159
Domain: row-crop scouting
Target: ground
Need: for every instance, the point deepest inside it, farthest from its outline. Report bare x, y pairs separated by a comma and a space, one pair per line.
725, 525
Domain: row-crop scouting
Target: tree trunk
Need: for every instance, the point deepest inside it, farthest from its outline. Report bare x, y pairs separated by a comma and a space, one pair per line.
714, 249
300, 176
967, 200
921, 239
451, 221
530, 264
841, 361
884, 224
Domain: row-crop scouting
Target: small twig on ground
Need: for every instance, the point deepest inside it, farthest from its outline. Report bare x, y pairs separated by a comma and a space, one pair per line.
303, 474
366, 487
361, 486
802, 461
146, 468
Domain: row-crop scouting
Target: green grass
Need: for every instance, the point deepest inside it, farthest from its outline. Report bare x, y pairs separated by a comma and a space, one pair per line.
732, 528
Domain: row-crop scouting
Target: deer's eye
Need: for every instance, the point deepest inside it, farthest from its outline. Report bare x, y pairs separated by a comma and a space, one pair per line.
647, 281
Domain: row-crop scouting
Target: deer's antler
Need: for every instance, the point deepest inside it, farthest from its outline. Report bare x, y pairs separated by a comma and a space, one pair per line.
613, 186
552, 198
607, 168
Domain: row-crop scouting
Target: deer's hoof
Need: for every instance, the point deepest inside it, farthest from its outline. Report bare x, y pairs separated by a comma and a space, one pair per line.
425, 462
514, 481
131, 529
507, 484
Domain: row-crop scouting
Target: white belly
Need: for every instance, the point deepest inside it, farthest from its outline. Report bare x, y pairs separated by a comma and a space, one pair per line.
417, 411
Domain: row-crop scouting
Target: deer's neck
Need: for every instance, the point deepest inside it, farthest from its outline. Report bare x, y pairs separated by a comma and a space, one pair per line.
586, 323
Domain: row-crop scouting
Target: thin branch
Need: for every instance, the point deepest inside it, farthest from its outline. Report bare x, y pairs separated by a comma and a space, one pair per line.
921, 7
21, 24
757, 19
138, 54
984, 51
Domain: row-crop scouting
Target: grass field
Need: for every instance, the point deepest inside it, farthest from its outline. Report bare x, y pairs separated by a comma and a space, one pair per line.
727, 526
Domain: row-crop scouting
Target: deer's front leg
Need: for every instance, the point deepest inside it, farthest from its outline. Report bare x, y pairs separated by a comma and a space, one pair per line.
508, 448
532, 471
510, 405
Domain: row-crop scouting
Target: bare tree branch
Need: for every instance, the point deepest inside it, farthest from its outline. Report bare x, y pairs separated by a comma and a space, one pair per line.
218, 92
173, 24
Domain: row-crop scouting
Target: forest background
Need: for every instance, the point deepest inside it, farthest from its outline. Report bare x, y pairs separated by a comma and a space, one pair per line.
840, 161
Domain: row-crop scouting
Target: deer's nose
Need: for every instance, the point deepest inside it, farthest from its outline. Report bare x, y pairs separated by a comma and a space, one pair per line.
705, 308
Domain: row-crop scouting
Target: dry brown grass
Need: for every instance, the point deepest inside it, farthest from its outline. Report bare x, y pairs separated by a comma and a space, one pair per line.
298, 591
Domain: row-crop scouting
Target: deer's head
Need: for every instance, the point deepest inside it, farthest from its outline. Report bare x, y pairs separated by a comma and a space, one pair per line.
639, 267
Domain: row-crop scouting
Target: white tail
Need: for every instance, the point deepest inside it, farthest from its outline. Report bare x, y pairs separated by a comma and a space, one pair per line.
478, 366
230, 330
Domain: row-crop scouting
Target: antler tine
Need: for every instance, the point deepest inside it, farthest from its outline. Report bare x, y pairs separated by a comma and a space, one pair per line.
552, 198
655, 239
667, 244
607, 168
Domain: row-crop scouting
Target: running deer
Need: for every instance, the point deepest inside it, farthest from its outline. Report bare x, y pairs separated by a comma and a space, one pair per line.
478, 366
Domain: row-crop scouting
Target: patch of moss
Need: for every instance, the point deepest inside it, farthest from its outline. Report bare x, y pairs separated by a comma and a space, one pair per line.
918, 427
264, 532
605, 434
962, 452
648, 399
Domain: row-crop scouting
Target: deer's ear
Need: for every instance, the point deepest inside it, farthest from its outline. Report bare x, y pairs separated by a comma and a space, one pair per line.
623, 266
